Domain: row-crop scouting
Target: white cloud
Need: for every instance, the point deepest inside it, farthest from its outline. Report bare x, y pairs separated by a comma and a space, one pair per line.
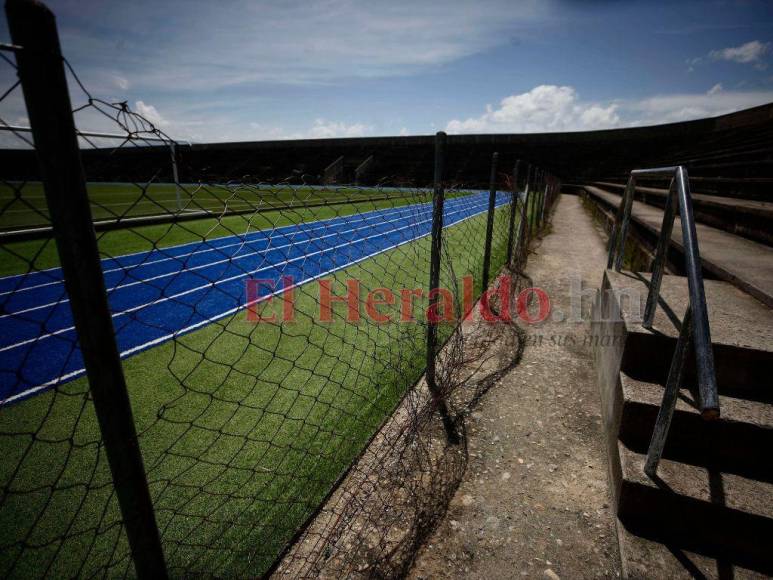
543, 108
404, 132
259, 132
151, 114
551, 108
598, 117
751, 52
319, 129
323, 129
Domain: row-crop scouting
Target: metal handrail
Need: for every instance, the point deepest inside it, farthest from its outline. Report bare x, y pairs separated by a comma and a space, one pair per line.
695, 331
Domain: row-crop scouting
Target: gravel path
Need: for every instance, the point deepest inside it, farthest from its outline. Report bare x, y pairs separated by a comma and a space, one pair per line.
533, 502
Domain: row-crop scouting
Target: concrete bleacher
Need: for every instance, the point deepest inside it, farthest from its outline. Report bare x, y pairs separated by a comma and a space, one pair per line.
749, 218
743, 262
709, 511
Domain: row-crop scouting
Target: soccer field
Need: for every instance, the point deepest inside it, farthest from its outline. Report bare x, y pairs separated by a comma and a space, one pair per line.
243, 427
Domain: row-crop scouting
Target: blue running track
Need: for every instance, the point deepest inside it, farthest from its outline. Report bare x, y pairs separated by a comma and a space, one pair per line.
160, 294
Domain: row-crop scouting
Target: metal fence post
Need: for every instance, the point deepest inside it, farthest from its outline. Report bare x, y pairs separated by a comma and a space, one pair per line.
522, 222
43, 79
175, 175
513, 205
438, 198
534, 186
492, 196
536, 204
540, 200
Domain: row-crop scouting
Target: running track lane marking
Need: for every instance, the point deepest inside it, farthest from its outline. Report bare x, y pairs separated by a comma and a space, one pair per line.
129, 272
210, 246
213, 283
207, 320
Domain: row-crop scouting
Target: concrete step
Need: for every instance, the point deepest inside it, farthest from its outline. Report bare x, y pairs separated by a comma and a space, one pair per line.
739, 442
646, 558
744, 263
741, 332
748, 218
709, 510
716, 514
731, 188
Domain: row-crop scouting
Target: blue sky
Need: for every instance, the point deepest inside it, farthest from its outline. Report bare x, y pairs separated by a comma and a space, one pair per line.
252, 70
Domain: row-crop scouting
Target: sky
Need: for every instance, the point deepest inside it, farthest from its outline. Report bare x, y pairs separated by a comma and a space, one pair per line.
235, 70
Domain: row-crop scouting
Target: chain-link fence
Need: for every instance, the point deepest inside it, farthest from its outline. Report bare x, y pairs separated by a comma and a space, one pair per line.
224, 377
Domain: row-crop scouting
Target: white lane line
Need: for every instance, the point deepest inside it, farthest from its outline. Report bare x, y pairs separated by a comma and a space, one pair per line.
242, 240
268, 248
213, 284
192, 327
203, 241
372, 214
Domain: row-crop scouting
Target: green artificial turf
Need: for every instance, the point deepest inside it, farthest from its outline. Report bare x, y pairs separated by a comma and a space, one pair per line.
243, 427
40, 254
23, 204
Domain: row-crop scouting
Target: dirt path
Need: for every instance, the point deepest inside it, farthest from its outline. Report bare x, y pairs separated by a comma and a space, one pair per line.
534, 501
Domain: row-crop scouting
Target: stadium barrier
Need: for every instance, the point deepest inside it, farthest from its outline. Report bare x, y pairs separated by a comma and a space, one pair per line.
157, 420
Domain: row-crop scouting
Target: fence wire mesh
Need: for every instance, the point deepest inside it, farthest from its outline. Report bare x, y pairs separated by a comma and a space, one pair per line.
273, 340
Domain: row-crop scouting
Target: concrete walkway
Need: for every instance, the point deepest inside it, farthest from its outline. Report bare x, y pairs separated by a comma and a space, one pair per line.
534, 501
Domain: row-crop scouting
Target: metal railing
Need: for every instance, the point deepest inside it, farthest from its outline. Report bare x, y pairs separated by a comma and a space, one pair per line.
695, 331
